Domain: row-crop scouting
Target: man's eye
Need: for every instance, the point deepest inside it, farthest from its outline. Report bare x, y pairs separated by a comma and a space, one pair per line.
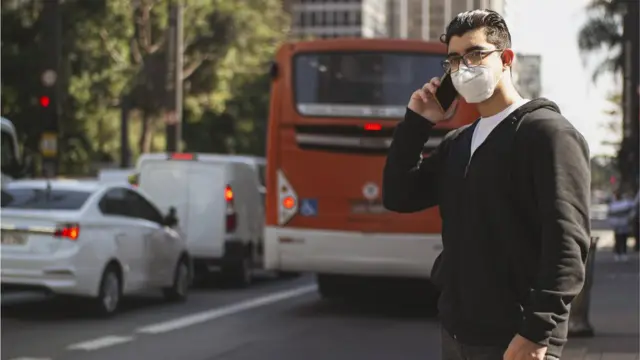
474, 56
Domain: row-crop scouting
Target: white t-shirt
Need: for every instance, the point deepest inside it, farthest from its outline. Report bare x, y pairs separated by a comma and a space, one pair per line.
486, 125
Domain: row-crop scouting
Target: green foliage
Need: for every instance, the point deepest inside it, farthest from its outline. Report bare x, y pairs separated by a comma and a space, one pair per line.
603, 30
116, 48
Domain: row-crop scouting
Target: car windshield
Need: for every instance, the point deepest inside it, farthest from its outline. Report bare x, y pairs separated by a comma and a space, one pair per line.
361, 84
43, 199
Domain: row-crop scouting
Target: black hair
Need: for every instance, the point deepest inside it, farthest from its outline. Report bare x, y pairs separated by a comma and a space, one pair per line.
493, 24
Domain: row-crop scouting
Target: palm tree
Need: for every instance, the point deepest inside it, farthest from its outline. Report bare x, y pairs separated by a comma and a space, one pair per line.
604, 30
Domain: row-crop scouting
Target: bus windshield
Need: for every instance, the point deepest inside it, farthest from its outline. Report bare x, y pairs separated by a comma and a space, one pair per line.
360, 84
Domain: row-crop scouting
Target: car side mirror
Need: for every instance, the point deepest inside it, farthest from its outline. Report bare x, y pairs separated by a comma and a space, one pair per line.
171, 219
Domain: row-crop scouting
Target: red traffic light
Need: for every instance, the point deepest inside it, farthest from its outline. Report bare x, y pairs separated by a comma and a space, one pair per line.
45, 101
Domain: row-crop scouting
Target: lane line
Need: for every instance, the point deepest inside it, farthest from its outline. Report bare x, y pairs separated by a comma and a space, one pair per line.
212, 314
31, 358
100, 343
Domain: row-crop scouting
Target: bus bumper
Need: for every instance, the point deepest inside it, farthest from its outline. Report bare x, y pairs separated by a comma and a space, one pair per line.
350, 253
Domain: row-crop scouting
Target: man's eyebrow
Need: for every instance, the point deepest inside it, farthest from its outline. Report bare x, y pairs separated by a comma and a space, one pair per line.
469, 49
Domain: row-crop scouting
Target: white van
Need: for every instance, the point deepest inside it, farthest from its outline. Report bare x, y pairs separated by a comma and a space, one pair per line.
219, 205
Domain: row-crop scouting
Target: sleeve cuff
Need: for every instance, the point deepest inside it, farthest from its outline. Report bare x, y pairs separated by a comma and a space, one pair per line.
534, 331
416, 119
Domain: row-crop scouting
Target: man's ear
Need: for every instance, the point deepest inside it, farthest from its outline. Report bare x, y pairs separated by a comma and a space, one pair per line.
508, 56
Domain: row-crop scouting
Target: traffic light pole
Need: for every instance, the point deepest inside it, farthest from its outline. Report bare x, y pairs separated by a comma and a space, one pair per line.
173, 116
50, 98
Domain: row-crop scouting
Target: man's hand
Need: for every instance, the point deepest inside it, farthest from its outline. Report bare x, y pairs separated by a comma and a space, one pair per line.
423, 102
523, 349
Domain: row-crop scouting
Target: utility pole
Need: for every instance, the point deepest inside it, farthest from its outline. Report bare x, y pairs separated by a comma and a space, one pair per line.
125, 152
49, 97
173, 115
631, 95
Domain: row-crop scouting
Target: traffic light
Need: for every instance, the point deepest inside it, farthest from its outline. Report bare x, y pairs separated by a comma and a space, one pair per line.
47, 107
45, 101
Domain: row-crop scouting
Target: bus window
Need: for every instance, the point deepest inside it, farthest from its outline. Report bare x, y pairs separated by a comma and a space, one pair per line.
357, 84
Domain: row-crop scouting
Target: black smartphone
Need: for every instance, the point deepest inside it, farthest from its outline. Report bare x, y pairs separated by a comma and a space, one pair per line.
446, 93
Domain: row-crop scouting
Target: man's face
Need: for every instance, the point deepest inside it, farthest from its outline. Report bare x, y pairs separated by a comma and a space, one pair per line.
476, 50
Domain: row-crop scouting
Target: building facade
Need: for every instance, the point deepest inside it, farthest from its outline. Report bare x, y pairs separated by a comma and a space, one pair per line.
427, 19
338, 18
406, 19
527, 74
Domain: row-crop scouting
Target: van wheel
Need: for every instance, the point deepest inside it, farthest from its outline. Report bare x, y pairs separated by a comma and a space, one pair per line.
238, 274
179, 291
110, 292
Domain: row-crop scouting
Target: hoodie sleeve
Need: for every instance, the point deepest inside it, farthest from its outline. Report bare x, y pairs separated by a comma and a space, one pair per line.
410, 184
562, 181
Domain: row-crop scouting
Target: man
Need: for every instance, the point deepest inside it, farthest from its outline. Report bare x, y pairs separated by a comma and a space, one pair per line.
619, 218
513, 190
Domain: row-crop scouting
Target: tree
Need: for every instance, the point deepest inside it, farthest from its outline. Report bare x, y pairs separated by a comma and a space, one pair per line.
603, 169
603, 30
115, 48
219, 54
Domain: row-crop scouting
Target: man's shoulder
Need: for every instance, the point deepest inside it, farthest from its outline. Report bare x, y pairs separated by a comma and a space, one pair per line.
545, 124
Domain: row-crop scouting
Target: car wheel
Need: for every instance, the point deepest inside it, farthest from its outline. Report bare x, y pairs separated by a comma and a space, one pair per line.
110, 292
179, 291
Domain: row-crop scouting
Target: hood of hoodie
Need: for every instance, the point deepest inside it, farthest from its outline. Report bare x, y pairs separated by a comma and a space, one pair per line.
536, 104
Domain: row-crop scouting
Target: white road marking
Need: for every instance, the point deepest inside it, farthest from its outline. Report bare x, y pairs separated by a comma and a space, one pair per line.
31, 358
100, 343
212, 314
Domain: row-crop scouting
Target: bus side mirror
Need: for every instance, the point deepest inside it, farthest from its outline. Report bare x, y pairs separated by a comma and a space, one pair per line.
273, 70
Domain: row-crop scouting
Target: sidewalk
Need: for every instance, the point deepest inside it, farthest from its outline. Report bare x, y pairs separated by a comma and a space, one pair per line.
614, 311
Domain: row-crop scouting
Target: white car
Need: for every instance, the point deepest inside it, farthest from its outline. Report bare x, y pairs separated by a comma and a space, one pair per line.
89, 239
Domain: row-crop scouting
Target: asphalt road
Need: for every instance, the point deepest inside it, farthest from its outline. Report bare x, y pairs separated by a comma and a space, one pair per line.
273, 319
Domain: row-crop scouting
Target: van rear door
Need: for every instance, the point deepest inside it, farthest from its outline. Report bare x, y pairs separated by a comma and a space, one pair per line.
166, 182
206, 220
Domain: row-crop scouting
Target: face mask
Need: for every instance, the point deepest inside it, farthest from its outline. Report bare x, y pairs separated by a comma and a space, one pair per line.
475, 84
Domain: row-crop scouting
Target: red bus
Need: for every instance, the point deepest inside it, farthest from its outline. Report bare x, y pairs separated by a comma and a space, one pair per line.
334, 105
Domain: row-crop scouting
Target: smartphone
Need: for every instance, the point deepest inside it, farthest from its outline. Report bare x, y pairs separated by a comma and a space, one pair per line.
446, 93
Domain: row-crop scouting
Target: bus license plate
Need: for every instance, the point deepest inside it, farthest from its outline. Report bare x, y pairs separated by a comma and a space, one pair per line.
368, 208
13, 239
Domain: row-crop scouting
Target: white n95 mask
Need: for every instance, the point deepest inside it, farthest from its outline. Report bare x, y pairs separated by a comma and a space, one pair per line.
476, 84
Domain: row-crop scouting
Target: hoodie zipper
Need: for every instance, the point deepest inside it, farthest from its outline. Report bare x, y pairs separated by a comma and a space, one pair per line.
510, 119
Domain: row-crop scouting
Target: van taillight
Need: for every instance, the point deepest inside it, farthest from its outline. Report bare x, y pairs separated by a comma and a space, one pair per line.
69, 231
231, 218
228, 193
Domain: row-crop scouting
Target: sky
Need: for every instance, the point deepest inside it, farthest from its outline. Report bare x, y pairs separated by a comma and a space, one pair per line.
550, 28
